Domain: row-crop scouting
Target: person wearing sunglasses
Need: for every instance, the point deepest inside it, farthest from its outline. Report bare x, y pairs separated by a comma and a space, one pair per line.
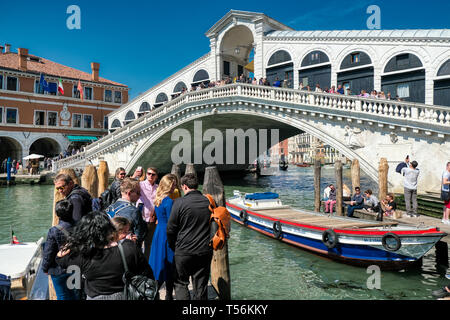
115, 185
79, 197
148, 195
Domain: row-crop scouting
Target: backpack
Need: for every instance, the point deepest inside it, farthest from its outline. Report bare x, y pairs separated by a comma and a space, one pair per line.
111, 211
106, 199
400, 166
221, 229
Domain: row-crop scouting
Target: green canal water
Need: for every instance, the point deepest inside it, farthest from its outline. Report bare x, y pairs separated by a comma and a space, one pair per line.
260, 267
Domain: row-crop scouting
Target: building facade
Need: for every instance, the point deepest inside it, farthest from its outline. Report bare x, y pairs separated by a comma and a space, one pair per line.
305, 148
45, 121
412, 65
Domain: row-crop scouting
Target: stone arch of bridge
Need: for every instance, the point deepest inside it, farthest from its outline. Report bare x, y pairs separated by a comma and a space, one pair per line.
296, 125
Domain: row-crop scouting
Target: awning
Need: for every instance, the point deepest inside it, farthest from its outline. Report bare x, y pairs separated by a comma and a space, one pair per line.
82, 138
250, 67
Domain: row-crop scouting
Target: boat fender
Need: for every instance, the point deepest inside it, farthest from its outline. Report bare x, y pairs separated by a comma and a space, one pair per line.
277, 231
330, 238
243, 215
391, 246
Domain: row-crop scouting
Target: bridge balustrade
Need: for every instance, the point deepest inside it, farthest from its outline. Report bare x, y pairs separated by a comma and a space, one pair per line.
384, 110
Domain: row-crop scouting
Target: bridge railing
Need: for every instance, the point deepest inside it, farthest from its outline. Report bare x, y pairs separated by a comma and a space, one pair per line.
383, 109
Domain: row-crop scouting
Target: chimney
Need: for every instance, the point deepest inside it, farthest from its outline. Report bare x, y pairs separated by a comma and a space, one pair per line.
95, 67
1, 49
23, 54
7, 48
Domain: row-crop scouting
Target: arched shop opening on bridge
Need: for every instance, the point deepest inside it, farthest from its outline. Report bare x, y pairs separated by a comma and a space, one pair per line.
236, 50
281, 67
143, 109
315, 69
442, 85
356, 73
115, 125
129, 117
200, 77
46, 147
179, 87
79, 142
404, 78
10, 148
161, 98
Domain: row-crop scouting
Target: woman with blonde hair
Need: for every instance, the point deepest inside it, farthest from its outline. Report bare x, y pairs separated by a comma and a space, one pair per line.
161, 256
176, 192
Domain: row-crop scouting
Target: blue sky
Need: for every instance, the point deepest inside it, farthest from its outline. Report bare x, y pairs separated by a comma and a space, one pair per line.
140, 43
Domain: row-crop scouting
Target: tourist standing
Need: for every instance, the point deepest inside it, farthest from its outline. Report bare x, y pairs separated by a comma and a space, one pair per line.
188, 234
161, 256
148, 194
93, 247
78, 196
56, 238
356, 202
125, 207
114, 188
411, 175
445, 194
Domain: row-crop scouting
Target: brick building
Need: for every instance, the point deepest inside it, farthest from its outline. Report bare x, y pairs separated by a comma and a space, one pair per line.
48, 122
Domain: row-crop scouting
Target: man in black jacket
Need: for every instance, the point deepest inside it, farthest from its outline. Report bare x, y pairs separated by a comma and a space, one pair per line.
79, 197
188, 234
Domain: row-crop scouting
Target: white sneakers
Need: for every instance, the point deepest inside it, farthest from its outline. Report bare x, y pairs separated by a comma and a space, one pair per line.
445, 221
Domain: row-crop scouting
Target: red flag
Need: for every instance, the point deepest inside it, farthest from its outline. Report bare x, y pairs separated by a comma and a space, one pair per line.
80, 89
60, 87
14, 239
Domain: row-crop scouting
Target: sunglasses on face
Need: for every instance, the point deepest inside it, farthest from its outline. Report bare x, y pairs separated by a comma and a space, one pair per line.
151, 174
61, 187
122, 174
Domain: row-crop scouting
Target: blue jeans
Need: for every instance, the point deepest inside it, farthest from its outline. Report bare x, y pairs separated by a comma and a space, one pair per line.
350, 209
61, 290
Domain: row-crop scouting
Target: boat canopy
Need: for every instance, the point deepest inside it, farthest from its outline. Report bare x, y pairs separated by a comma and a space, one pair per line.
261, 196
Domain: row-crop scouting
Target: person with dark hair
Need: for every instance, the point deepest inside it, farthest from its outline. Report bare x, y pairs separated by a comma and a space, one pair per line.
125, 207
356, 202
114, 188
123, 227
411, 175
148, 194
93, 247
78, 196
188, 235
56, 238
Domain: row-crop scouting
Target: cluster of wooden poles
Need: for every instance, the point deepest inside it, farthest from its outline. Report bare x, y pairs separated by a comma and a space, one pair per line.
355, 175
96, 181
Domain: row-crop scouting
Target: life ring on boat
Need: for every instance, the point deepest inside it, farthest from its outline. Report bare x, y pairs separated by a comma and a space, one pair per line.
243, 215
277, 231
330, 238
391, 246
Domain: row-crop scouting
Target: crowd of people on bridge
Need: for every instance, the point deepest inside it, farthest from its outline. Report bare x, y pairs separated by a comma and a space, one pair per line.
164, 236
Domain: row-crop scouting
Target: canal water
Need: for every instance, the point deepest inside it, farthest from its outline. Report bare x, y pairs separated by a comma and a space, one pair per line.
260, 267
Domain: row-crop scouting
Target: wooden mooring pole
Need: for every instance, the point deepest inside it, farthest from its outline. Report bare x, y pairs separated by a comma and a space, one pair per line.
102, 177
220, 266
190, 168
317, 198
176, 171
356, 173
339, 187
89, 180
383, 170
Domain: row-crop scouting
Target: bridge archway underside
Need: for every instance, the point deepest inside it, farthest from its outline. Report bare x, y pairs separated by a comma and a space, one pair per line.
358, 128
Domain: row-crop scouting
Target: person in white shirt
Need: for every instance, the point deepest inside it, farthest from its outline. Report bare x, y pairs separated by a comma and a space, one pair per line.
411, 175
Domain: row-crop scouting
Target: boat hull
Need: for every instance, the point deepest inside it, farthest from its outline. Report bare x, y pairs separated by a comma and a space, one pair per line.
361, 249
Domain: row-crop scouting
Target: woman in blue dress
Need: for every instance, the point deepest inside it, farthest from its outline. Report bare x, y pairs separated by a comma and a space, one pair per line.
161, 256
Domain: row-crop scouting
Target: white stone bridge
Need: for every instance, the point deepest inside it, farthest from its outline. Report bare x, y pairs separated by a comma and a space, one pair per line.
359, 128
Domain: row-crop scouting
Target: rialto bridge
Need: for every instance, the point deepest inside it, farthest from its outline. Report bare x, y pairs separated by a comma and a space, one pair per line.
413, 65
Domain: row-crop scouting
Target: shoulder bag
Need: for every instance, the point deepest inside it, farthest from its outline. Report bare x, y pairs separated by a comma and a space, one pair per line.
137, 287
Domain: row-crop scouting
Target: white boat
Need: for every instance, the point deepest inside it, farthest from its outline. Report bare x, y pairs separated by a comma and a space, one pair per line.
389, 245
20, 262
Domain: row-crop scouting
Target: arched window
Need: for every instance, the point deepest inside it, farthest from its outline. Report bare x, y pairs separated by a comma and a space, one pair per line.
402, 62
311, 75
444, 70
144, 108
356, 79
200, 77
129, 117
355, 59
161, 98
314, 57
279, 57
115, 125
179, 87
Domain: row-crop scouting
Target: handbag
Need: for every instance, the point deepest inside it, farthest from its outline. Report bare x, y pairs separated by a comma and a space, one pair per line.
137, 287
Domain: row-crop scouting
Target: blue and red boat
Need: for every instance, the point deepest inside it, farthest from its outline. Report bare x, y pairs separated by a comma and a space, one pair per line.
390, 245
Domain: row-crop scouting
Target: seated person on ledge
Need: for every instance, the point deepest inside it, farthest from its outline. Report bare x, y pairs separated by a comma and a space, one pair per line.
356, 202
389, 205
